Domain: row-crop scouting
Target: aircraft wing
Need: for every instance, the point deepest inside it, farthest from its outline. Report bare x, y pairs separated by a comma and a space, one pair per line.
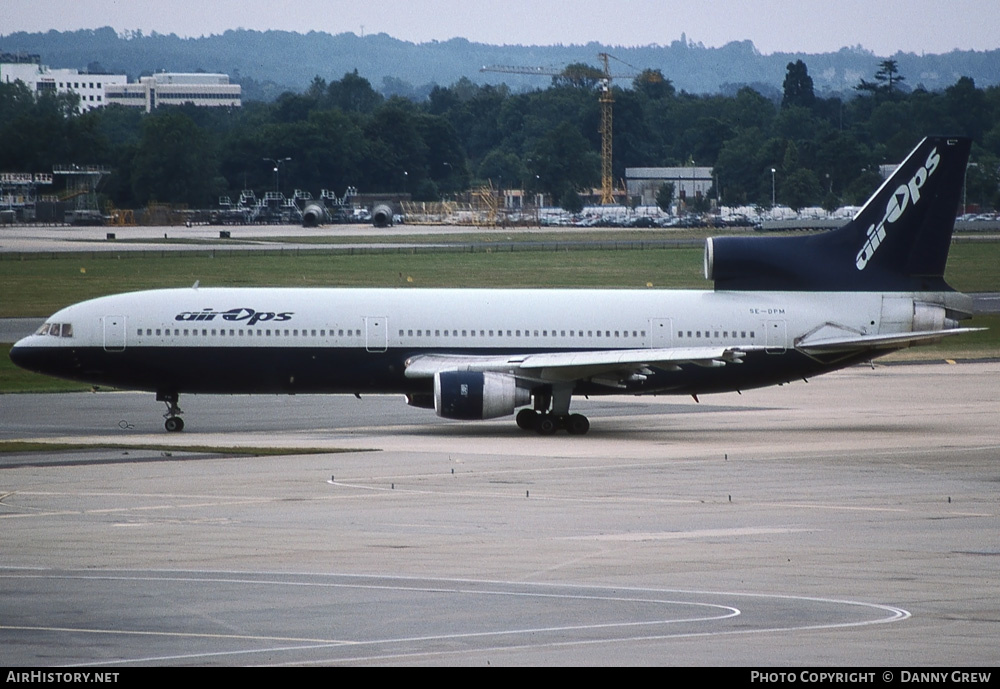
818, 345
607, 367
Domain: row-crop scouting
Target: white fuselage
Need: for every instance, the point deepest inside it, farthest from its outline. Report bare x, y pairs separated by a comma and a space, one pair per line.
457, 319
351, 340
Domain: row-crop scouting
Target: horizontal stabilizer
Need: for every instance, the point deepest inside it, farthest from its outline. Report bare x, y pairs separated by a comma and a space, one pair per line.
886, 341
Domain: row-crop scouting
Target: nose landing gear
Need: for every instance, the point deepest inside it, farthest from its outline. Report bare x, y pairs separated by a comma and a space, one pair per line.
174, 423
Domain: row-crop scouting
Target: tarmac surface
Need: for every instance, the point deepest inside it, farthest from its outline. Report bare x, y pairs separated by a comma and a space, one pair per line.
32, 238
850, 521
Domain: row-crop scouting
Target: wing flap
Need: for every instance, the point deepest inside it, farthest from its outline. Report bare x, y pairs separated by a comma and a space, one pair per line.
575, 365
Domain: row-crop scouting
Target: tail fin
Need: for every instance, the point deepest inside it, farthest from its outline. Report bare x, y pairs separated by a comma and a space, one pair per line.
898, 241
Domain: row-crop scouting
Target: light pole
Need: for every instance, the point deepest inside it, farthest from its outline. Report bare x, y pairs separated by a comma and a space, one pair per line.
772, 189
277, 166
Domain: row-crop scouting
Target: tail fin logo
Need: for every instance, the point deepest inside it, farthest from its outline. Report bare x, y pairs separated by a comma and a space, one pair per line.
898, 203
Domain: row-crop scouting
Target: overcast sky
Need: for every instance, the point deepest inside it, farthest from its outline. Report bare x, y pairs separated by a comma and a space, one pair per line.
811, 26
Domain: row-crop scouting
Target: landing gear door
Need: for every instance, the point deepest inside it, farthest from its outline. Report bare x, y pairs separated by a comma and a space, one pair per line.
114, 333
376, 333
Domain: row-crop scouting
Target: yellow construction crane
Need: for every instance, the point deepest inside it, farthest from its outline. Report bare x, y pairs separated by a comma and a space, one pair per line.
606, 98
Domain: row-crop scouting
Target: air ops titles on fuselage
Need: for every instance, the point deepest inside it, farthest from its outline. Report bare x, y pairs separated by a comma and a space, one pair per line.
251, 316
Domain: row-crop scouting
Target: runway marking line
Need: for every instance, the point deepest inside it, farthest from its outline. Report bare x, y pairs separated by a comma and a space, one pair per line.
455, 586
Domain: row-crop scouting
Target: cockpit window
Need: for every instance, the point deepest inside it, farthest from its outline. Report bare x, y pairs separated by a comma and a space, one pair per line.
56, 330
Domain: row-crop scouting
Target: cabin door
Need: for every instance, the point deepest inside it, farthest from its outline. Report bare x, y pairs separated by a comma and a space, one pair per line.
660, 333
114, 333
376, 333
775, 337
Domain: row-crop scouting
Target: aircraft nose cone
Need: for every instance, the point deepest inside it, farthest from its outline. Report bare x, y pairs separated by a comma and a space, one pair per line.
25, 356
18, 354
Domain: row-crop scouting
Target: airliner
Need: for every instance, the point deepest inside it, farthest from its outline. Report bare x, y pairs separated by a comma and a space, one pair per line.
783, 308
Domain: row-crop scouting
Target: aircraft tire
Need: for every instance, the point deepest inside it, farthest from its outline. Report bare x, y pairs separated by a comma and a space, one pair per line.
546, 424
577, 424
526, 419
174, 424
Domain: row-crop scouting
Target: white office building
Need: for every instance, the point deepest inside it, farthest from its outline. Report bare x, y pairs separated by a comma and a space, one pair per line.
689, 182
40, 79
205, 90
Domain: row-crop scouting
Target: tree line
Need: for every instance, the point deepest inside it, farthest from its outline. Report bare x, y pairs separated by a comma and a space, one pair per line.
823, 151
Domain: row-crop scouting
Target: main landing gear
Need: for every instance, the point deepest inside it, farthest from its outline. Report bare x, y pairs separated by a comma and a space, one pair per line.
551, 413
174, 423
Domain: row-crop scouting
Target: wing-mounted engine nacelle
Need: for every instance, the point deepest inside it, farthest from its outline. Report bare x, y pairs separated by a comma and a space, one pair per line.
471, 395
314, 215
382, 215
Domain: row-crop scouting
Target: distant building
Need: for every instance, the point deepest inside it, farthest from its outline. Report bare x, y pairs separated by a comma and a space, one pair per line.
689, 182
206, 90
29, 70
